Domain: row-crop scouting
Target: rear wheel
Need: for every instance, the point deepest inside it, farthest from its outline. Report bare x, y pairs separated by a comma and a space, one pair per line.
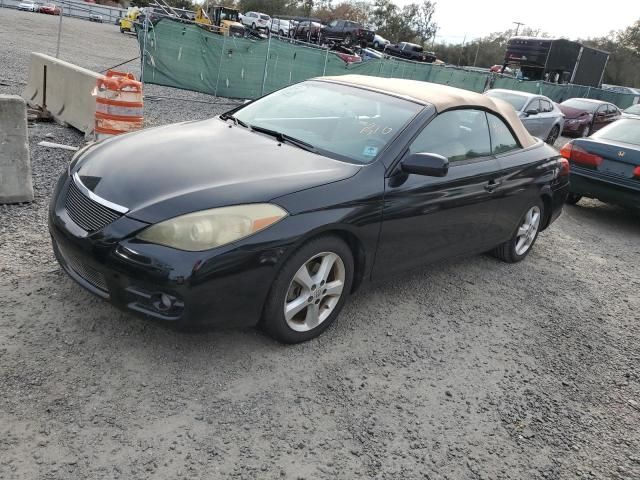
553, 135
573, 198
309, 291
524, 237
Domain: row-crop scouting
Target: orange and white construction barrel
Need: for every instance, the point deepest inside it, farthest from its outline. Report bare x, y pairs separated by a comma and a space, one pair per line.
119, 104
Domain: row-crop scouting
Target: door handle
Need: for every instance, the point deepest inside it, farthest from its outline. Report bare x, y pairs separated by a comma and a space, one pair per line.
491, 186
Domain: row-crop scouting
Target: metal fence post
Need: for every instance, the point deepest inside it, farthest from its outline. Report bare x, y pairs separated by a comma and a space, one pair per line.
326, 58
266, 63
59, 31
143, 56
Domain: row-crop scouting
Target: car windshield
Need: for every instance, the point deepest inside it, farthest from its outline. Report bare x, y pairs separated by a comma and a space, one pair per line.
580, 104
339, 121
516, 101
626, 130
633, 110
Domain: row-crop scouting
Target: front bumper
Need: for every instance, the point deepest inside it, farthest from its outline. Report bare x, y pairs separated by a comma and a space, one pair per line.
607, 188
224, 286
573, 128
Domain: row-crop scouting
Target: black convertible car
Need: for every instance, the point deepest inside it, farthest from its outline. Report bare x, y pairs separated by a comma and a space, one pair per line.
274, 212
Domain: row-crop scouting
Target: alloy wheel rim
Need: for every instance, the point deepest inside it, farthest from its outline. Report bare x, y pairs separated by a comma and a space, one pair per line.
528, 230
555, 132
314, 291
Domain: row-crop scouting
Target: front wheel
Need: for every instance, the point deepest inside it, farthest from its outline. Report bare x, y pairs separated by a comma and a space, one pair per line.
309, 291
586, 130
520, 244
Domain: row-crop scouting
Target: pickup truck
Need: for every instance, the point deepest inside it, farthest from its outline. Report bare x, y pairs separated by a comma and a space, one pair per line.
347, 32
410, 51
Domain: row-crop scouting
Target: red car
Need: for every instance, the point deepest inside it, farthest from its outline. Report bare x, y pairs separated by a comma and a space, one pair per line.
50, 9
583, 116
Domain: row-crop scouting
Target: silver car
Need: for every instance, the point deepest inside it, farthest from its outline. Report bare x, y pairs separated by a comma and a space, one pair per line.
539, 114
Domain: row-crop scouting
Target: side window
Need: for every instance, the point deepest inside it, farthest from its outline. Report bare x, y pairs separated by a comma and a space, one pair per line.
502, 140
545, 106
534, 105
456, 134
333, 24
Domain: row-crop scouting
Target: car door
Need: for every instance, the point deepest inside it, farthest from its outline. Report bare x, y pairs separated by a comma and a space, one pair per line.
600, 118
517, 185
533, 121
547, 118
429, 218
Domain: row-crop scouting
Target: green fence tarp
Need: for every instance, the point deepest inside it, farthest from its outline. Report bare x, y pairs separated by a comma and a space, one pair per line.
186, 56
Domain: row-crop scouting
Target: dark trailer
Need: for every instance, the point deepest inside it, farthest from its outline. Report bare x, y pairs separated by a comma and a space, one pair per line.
556, 60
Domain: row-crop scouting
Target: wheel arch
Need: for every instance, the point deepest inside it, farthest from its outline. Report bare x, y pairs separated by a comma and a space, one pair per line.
353, 241
547, 205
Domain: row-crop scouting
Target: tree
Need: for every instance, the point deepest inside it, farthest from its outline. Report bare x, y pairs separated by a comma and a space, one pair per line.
423, 24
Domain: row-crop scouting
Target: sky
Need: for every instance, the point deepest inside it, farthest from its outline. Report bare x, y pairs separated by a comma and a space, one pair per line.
567, 18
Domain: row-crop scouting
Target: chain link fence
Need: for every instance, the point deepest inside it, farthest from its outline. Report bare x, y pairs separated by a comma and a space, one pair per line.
184, 55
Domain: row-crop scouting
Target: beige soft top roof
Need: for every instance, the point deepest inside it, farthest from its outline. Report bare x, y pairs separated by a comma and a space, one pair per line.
442, 97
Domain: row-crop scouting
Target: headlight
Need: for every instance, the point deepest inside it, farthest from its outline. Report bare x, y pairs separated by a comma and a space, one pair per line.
212, 228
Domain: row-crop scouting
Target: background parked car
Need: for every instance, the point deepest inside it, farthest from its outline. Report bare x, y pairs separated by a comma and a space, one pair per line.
583, 116
606, 165
410, 51
50, 9
379, 42
308, 31
541, 117
280, 27
632, 111
346, 54
28, 6
94, 17
347, 32
256, 20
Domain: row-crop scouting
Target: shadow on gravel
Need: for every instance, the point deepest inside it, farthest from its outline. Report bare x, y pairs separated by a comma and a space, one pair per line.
624, 220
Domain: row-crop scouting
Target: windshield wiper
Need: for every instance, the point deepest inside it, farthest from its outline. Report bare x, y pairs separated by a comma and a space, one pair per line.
236, 120
284, 138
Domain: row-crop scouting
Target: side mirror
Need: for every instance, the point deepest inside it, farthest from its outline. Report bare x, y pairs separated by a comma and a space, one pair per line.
533, 111
427, 164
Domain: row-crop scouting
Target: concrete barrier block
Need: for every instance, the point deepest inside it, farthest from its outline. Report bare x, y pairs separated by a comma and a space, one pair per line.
15, 163
66, 91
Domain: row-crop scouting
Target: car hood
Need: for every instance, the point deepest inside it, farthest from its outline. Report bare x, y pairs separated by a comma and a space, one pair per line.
163, 172
571, 112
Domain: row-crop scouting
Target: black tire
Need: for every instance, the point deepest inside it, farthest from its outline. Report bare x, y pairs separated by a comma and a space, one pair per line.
553, 135
507, 251
573, 198
281, 33
122, 30
376, 45
273, 319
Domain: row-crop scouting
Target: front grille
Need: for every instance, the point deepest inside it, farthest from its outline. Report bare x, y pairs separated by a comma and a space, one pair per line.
83, 270
87, 213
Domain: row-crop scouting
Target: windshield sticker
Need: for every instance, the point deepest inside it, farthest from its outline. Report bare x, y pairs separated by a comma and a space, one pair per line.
370, 151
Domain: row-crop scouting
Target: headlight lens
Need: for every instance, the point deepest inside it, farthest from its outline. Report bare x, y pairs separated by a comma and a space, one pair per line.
212, 228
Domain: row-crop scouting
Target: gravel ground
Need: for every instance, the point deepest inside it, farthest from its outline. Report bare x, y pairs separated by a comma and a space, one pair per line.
469, 369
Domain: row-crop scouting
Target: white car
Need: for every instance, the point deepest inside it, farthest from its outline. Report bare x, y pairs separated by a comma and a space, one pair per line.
281, 27
379, 43
28, 6
256, 20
